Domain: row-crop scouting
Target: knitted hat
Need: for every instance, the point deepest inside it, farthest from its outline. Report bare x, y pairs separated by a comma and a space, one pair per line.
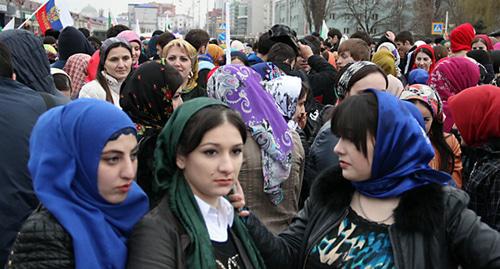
461, 37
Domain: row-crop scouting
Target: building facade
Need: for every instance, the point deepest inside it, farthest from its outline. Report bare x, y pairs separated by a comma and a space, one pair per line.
145, 14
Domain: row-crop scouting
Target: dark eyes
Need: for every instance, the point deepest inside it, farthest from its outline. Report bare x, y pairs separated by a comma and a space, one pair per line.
213, 152
115, 159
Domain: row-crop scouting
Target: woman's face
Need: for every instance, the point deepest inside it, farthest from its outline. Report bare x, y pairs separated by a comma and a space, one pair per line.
117, 168
423, 61
426, 113
374, 80
118, 63
179, 59
237, 61
355, 166
479, 46
177, 98
136, 52
300, 115
213, 166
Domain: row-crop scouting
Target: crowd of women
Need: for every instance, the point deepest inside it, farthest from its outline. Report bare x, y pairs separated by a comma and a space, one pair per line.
299, 153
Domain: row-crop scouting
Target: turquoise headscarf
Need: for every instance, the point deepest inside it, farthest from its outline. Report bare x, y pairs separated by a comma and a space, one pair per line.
169, 180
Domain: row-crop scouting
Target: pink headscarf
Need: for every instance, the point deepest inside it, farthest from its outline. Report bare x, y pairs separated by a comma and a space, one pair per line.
450, 77
131, 36
487, 41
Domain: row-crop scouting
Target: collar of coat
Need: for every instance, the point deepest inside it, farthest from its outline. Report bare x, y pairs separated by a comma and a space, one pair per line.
419, 210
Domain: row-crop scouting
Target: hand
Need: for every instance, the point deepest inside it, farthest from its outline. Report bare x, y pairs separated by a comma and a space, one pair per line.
390, 35
237, 199
305, 51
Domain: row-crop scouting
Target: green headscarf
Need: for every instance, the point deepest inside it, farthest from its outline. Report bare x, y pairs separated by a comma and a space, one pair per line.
169, 180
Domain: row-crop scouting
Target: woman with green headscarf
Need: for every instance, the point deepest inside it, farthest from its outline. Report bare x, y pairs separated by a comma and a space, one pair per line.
197, 161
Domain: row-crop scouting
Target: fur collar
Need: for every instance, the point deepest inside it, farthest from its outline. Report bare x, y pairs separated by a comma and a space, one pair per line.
420, 209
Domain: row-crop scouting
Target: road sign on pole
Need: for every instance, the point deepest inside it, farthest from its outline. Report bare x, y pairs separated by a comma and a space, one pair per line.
437, 28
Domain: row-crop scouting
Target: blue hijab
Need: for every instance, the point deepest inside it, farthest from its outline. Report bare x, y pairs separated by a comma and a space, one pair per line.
66, 146
402, 151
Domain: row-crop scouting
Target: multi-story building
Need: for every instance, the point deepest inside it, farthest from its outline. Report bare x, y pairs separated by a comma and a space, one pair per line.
215, 22
146, 14
182, 23
259, 17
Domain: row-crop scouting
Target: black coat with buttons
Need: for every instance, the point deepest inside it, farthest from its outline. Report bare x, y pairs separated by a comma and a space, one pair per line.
42, 243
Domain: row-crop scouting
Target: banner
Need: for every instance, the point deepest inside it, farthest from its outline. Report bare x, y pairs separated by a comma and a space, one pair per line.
54, 14
9, 25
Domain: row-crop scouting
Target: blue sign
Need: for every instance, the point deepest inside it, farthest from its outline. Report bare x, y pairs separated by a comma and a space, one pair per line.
437, 28
222, 36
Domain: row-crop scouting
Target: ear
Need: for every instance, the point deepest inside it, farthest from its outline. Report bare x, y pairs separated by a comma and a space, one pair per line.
202, 49
180, 161
14, 76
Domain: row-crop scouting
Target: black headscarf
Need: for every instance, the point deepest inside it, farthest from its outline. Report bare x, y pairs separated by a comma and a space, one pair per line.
147, 98
71, 41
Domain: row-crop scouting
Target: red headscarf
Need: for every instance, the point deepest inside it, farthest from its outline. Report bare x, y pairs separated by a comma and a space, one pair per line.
487, 41
477, 114
92, 67
450, 77
461, 37
432, 56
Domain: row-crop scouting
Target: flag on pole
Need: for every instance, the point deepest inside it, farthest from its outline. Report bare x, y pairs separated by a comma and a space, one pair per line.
109, 19
9, 25
324, 31
54, 14
137, 27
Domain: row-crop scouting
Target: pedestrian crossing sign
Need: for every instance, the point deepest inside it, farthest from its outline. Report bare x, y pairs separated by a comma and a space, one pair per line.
437, 28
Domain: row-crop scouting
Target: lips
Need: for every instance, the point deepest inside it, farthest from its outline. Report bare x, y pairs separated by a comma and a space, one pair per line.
344, 164
125, 188
224, 182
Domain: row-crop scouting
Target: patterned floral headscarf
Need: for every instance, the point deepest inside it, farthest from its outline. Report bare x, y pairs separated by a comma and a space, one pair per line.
76, 67
239, 87
285, 91
428, 96
268, 70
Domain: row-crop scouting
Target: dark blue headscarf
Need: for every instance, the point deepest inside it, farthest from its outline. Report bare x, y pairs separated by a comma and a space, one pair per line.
66, 146
402, 151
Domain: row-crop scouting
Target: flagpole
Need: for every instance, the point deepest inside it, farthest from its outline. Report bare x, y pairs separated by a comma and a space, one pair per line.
38, 9
228, 34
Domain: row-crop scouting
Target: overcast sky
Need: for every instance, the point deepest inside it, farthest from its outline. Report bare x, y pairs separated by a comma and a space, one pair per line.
116, 6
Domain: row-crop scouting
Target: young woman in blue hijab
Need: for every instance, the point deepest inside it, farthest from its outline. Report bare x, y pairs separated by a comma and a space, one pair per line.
383, 206
83, 164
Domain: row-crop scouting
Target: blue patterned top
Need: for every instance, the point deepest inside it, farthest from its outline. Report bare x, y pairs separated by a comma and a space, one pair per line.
356, 243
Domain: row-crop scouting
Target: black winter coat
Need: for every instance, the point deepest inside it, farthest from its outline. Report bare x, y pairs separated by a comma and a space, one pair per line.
433, 228
42, 243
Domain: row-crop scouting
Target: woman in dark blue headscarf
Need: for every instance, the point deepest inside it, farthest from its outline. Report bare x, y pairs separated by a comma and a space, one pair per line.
383, 206
83, 165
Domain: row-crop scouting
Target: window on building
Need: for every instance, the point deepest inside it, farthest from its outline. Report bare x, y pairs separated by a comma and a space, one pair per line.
346, 30
332, 16
375, 16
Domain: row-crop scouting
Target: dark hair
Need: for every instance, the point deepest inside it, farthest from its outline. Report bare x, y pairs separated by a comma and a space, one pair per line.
164, 39
85, 32
436, 135
52, 32
335, 32
355, 118
264, 44
281, 52
6, 68
213, 41
404, 36
157, 32
100, 77
361, 73
314, 43
94, 42
304, 90
364, 36
197, 38
113, 31
49, 40
205, 120
440, 52
62, 82
358, 48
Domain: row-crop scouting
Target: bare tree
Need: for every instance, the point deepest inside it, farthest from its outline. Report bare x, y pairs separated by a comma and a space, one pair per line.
315, 11
371, 16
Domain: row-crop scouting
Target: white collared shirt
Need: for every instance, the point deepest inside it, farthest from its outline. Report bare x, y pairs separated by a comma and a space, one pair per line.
217, 219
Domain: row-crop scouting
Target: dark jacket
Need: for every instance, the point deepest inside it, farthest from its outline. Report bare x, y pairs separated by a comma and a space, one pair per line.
21, 107
433, 228
160, 241
322, 78
482, 181
198, 91
42, 243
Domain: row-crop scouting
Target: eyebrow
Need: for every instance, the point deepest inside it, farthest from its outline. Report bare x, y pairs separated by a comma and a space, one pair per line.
217, 145
135, 149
